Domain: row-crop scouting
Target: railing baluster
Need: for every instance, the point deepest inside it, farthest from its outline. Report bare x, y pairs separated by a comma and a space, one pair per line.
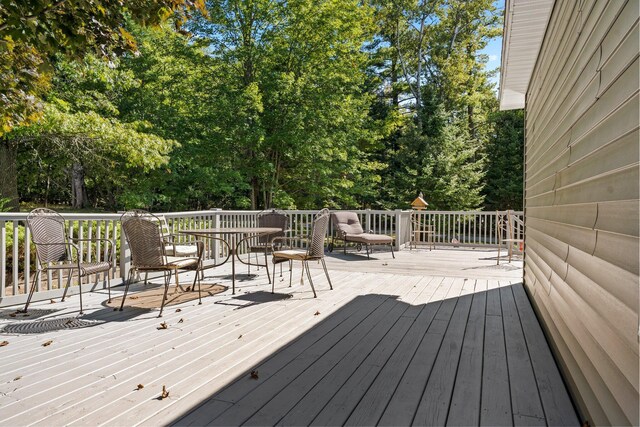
3, 258
16, 258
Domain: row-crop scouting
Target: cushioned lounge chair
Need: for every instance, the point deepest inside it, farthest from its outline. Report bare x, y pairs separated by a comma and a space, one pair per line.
347, 227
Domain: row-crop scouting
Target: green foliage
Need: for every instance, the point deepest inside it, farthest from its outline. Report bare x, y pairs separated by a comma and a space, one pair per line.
295, 107
505, 154
264, 104
80, 125
5, 204
33, 32
21, 82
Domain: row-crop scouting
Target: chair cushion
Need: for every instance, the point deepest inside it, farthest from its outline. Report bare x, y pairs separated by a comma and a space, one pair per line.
294, 254
85, 267
181, 250
347, 222
181, 262
370, 239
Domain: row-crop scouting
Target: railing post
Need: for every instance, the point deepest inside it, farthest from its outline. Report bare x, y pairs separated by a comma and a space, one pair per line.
399, 230
216, 224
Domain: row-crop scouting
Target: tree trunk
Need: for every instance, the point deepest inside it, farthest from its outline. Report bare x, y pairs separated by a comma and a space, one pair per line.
78, 188
419, 77
255, 191
395, 98
9, 175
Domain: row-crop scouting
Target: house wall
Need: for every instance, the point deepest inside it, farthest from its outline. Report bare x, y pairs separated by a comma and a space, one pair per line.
581, 201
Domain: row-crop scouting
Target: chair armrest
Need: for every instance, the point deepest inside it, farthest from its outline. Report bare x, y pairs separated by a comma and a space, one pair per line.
107, 241
279, 242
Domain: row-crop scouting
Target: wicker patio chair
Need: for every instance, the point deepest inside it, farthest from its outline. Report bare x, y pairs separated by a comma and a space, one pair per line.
173, 246
55, 251
263, 244
314, 252
144, 235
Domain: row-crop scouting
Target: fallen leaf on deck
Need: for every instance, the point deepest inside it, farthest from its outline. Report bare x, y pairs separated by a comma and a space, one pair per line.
17, 378
165, 393
4, 343
181, 320
188, 289
133, 297
254, 375
140, 386
163, 325
317, 313
240, 337
12, 315
178, 310
47, 343
53, 301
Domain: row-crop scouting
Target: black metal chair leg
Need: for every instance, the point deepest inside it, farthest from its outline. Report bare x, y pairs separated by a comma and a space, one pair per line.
290, 272
66, 288
126, 289
197, 278
80, 290
306, 264
166, 290
266, 264
302, 275
273, 282
109, 284
32, 290
326, 272
392, 254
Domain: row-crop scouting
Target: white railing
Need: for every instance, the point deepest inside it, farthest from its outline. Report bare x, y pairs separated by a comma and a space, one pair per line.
17, 259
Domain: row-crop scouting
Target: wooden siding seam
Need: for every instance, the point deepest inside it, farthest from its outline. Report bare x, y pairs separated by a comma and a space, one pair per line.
601, 147
555, 98
615, 171
610, 113
565, 86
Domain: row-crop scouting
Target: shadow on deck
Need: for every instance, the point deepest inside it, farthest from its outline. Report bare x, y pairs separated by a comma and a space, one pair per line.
480, 359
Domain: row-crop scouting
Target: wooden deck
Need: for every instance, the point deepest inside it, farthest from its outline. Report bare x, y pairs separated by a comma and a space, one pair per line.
390, 345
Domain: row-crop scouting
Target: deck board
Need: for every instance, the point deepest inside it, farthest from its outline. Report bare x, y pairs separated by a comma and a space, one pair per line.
406, 398
392, 344
495, 407
465, 401
365, 401
525, 399
557, 405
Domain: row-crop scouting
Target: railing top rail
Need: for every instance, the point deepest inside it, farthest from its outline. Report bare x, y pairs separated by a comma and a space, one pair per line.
21, 216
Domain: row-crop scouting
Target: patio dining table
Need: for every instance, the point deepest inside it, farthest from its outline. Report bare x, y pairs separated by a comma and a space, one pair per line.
234, 237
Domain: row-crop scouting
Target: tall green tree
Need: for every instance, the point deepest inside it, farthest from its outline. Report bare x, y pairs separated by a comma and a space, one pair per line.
444, 85
33, 32
298, 112
80, 139
505, 158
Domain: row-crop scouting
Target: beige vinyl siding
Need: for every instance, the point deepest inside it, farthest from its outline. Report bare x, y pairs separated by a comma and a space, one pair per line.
582, 201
